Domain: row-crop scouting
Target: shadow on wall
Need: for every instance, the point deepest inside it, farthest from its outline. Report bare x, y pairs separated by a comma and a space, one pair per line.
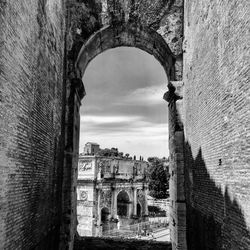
214, 221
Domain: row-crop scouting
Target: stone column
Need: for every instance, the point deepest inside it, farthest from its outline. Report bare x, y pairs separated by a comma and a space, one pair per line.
99, 210
177, 209
134, 201
113, 202
145, 192
73, 94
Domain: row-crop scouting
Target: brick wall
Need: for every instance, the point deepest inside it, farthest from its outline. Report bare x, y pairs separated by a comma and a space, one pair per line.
217, 104
37, 77
31, 78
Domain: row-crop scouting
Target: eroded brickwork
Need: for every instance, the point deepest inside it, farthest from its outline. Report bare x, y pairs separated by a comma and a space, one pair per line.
31, 77
216, 102
87, 17
40, 97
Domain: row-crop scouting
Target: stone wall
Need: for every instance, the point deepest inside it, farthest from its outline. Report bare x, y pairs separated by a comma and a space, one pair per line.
40, 97
216, 103
31, 100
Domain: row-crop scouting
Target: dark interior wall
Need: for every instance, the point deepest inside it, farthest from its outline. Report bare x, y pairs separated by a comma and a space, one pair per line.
216, 102
31, 79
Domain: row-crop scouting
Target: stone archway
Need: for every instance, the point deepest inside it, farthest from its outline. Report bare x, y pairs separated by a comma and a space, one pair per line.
105, 214
133, 35
123, 204
126, 35
138, 209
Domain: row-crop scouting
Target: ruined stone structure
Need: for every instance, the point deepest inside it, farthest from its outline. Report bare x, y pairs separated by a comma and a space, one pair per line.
91, 148
45, 47
111, 192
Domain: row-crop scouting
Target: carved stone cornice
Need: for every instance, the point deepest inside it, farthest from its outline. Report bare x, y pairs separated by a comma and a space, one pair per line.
174, 92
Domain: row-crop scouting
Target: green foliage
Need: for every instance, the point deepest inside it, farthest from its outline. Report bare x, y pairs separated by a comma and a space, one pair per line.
158, 177
108, 152
113, 152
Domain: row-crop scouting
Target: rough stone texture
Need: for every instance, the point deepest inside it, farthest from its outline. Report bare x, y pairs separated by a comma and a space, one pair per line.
217, 130
162, 17
74, 93
177, 207
88, 16
31, 77
126, 35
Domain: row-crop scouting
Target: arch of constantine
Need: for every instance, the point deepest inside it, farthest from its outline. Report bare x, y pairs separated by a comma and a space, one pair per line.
111, 193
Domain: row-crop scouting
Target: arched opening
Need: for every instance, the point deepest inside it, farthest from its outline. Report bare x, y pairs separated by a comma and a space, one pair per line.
152, 43
123, 203
138, 209
130, 36
127, 35
105, 220
124, 107
104, 215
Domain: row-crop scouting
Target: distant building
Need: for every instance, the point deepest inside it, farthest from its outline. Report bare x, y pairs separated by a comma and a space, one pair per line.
91, 148
111, 193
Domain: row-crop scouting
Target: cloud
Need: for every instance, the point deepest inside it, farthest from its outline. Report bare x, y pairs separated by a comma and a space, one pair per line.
124, 105
152, 95
108, 119
116, 126
145, 141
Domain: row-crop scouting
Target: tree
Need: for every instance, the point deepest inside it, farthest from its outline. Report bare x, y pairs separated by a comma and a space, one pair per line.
158, 177
108, 152
127, 155
120, 154
113, 152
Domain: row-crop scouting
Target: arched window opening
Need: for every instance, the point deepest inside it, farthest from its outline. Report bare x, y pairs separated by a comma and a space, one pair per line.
105, 220
123, 204
122, 115
138, 210
104, 215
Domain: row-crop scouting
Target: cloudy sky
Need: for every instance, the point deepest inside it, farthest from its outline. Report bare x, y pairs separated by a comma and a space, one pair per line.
123, 107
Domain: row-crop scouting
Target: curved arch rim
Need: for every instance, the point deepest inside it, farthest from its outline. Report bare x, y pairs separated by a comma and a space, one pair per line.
125, 35
123, 190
